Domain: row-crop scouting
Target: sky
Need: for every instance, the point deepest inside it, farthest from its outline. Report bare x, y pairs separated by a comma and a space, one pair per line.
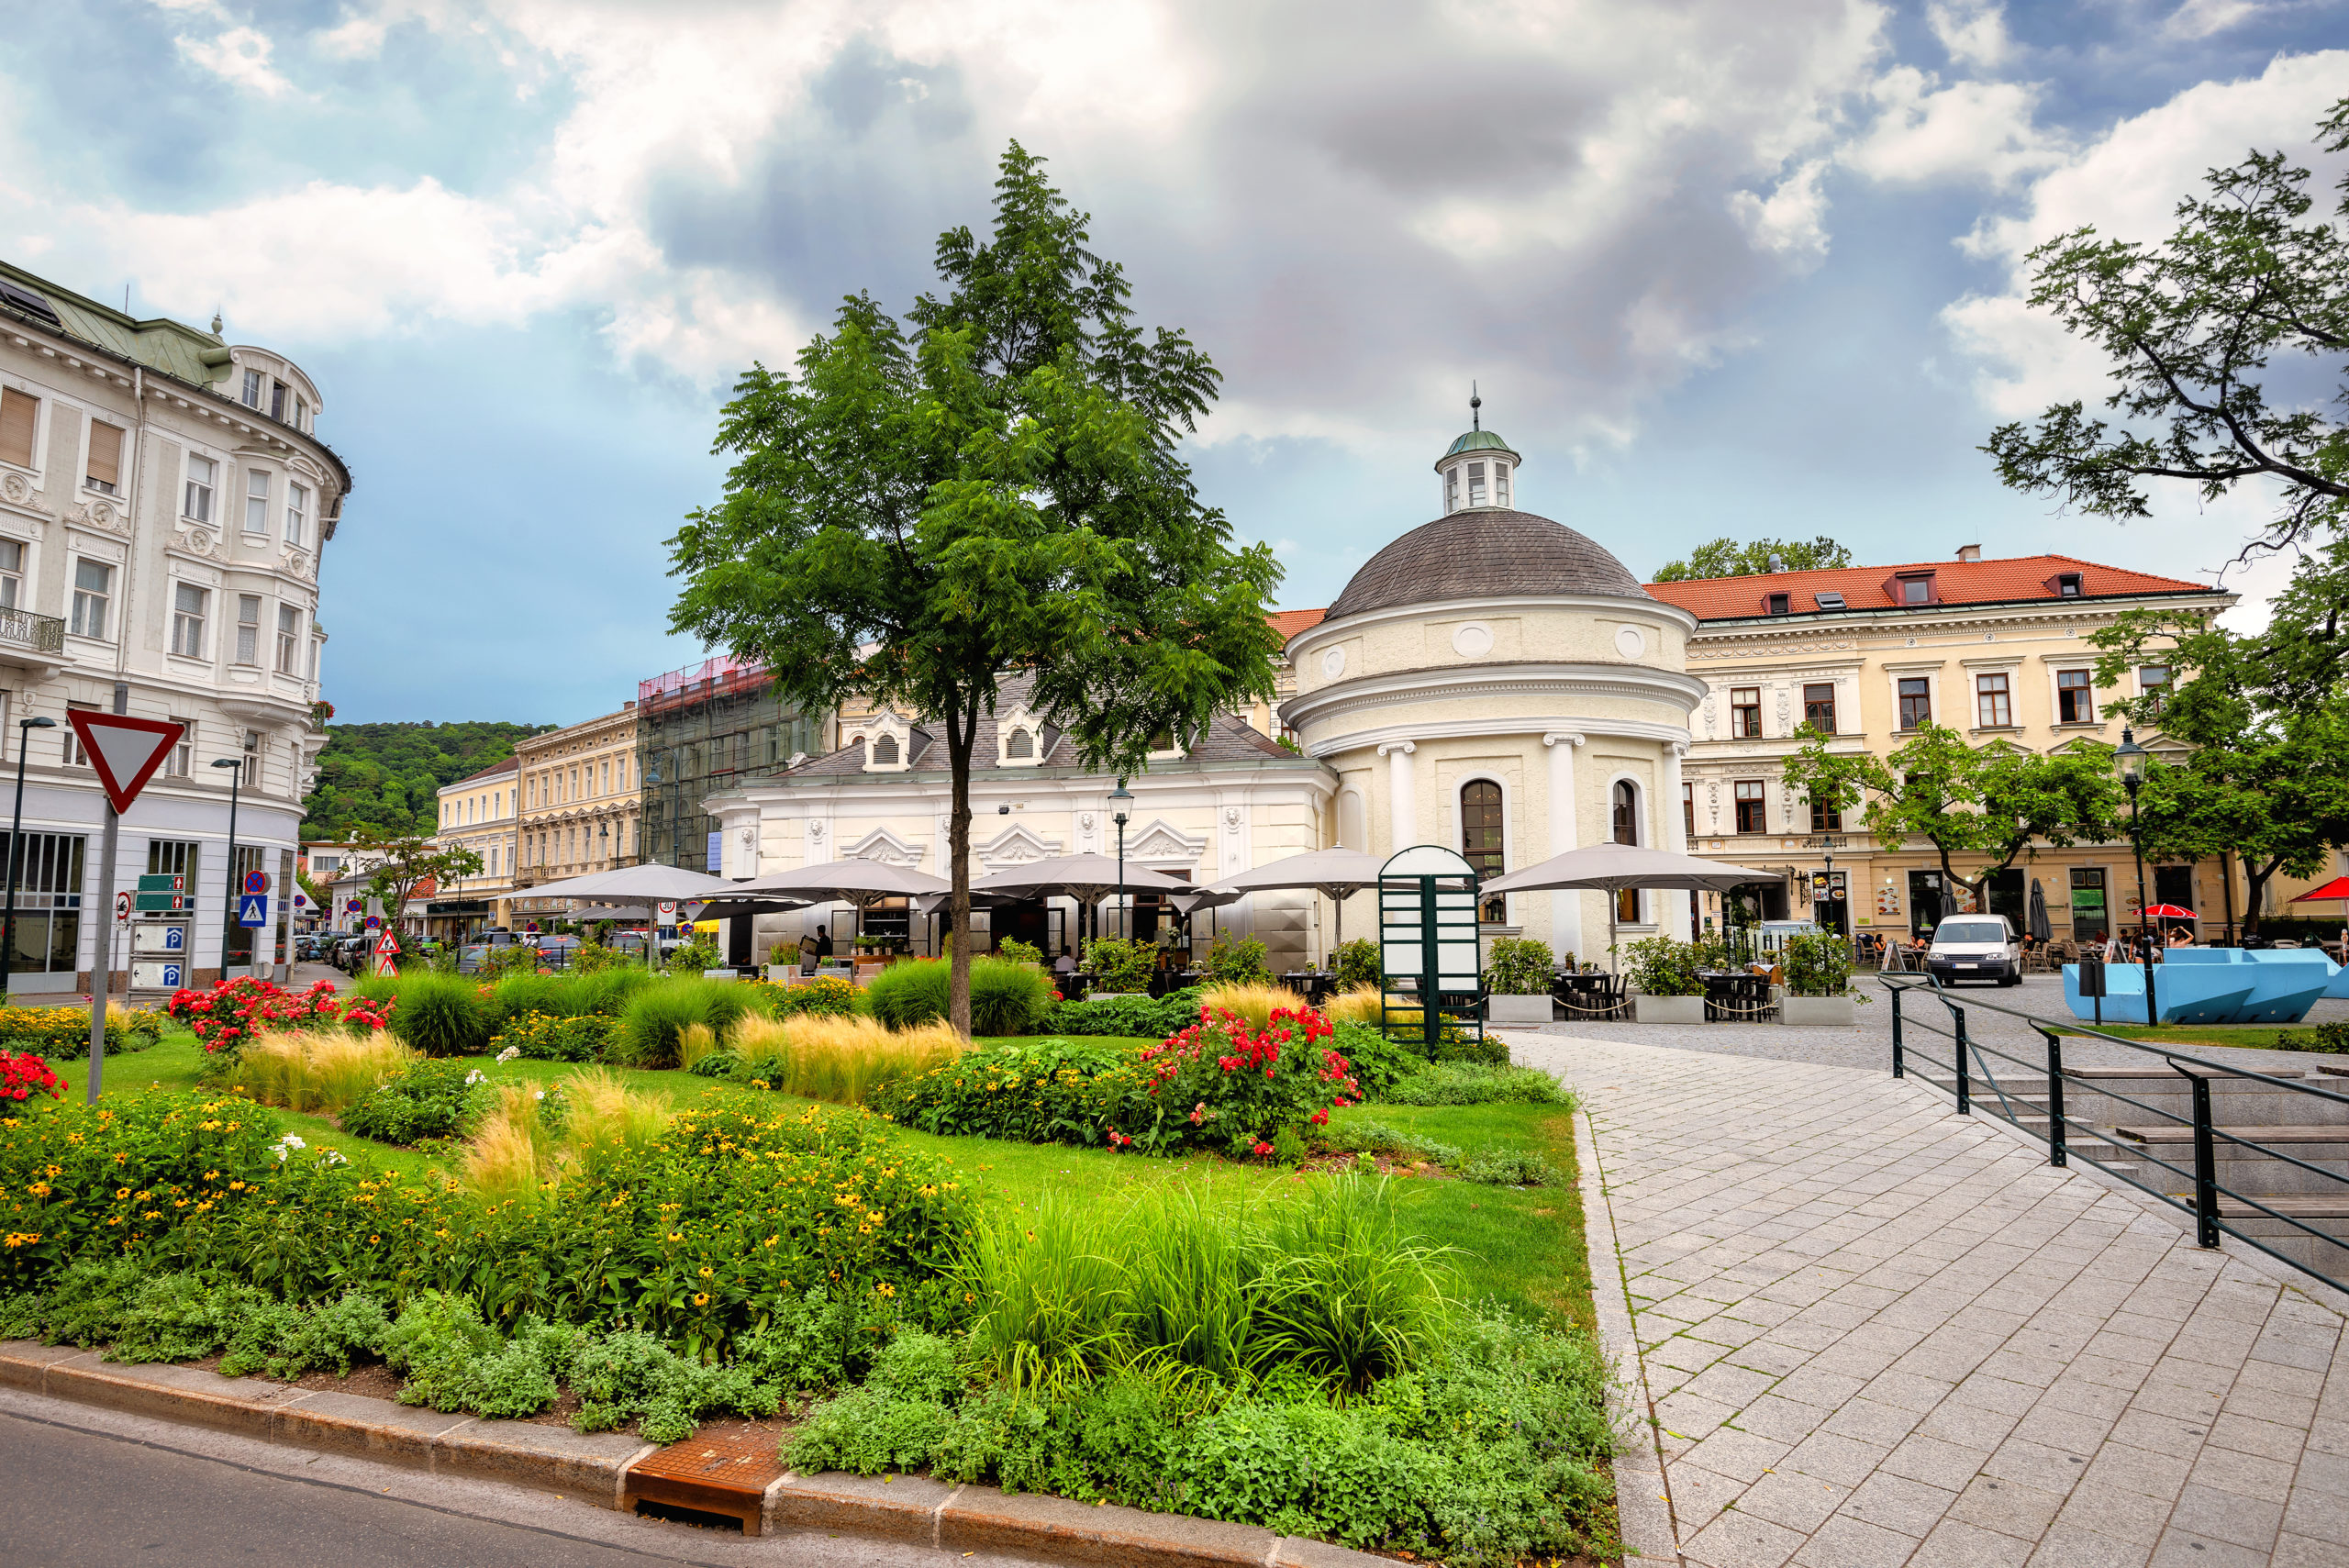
1715, 267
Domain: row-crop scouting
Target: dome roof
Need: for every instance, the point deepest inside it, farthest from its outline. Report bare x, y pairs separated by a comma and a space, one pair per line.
1485, 553
1477, 441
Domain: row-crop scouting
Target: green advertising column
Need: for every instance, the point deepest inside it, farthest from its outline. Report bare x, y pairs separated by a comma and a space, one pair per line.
1431, 945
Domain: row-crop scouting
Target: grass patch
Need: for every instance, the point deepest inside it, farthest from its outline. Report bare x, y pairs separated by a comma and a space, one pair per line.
2244, 1036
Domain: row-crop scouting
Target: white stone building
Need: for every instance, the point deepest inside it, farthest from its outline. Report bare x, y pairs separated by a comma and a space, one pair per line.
163, 504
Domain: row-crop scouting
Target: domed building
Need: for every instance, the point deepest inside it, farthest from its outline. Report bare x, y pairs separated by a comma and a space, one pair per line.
1499, 683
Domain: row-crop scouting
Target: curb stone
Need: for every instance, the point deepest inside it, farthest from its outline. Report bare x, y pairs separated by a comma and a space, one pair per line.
594, 1469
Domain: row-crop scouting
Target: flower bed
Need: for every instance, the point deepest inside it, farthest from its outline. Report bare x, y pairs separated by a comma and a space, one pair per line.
24, 1075
62, 1034
543, 1037
226, 1017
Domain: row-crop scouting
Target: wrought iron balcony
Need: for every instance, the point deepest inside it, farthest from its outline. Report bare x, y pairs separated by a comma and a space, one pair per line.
22, 628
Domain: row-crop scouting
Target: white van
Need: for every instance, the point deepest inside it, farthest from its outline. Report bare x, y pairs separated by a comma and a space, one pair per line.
1976, 947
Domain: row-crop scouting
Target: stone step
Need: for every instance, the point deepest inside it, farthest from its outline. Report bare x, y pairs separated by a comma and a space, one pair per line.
2301, 1133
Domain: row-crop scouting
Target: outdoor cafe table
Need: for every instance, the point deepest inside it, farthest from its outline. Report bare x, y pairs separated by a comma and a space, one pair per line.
1734, 993
1313, 985
1586, 995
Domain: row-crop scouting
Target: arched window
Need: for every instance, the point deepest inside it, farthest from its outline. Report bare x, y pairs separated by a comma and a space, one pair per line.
1480, 841
1020, 747
885, 751
1627, 831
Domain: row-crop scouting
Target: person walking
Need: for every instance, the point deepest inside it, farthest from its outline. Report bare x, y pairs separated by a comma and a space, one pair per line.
823, 944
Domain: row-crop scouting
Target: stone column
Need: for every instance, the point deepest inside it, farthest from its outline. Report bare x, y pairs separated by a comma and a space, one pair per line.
1565, 905
1675, 838
1402, 802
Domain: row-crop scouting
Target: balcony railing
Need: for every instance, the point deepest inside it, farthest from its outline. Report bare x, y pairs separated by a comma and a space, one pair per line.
22, 628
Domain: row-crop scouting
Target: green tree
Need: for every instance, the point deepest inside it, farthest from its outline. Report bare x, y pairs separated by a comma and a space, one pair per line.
1725, 557
381, 781
408, 863
2191, 326
991, 487
1996, 802
2267, 719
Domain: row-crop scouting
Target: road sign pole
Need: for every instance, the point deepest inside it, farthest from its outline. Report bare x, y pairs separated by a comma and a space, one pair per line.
102, 954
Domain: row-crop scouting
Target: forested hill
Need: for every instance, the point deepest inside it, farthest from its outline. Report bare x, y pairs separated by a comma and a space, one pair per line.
377, 780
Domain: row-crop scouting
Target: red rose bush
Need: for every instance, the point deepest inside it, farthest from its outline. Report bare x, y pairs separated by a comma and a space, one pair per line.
226, 1017
23, 1076
1224, 1082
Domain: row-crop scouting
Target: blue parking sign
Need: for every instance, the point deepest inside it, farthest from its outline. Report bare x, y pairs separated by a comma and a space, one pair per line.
253, 909
174, 938
172, 976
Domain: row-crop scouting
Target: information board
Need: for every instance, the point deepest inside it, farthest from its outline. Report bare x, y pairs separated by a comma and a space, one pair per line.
1431, 945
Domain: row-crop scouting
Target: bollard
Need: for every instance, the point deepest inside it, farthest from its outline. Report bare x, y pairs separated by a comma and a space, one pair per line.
1965, 1084
2056, 1153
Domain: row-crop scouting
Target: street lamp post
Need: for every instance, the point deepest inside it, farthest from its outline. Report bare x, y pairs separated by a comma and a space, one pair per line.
236, 767
2130, 758
16, 851
1119, 800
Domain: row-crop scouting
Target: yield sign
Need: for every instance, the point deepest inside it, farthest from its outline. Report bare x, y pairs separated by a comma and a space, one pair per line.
123, 751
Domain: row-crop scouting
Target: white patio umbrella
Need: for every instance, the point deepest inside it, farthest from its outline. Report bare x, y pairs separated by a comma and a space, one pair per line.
1088, 879
1334, 873
630, 884
853, 881
1610, 868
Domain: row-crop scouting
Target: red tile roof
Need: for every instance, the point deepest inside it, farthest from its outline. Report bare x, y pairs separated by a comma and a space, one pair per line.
1955, 582
491, 772
1288, 623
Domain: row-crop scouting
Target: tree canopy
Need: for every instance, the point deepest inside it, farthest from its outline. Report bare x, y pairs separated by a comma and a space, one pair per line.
991, 487
379, 781
410, 863
1724, 557
2194, 326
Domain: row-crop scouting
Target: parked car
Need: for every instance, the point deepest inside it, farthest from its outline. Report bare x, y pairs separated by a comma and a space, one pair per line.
1976, 947
554, 952
351, 955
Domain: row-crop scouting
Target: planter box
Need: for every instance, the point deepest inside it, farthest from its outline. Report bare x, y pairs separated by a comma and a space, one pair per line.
1649, 1009
1518, 1009
1819, 1012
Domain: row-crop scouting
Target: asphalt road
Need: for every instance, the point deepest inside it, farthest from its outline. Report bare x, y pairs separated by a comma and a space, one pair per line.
95, 1489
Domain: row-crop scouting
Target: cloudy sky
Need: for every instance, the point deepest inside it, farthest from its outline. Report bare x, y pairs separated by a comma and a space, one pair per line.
1718, 268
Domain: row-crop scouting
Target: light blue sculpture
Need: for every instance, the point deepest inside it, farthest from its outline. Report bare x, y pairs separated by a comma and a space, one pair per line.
2214, 986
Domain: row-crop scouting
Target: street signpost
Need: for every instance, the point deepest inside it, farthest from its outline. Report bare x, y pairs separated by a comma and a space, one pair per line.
162, 894
387, 946
256, 882
123, 752
352, 906
253, 909
122, 908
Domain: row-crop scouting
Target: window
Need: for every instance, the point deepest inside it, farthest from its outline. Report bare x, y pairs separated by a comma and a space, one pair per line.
1916, 702
1745, 713
93, 597
2068, 584
277, 402
289, 641
1994, 706
1500, 484
301, 415
1916, 590
254, 381
256, 502
48, 904
1480, 841
1625, 800
249, 628
1450, 482
1475, 484
12, 573
1688, 808
196, 504
174, 857
297, 513
250, 775
1020, 747
885, 751
1829, 601
1780, 604
1752, 809
104, 472
18, 415
1819, 708
189, 604
1825, 818
74, 756
1163, 741
2075, 698
2153, 680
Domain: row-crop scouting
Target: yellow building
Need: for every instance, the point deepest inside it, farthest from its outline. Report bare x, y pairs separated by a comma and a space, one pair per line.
581, 805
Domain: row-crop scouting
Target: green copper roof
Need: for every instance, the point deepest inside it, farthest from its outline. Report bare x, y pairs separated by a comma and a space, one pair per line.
158, 343
1478, 441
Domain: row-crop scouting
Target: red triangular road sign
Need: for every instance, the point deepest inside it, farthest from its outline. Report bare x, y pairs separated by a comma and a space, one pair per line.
123, 751
388, 945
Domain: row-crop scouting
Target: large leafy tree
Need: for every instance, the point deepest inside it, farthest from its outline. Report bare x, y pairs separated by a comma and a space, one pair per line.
1725, 557
2193, 327
2267, 718
991, 486
408, 864
1987, 804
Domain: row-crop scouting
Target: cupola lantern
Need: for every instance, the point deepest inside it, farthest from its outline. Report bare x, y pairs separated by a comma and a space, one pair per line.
1479, 469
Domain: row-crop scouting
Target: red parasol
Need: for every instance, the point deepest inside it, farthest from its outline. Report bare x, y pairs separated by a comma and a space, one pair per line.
2168, 912
2337, 889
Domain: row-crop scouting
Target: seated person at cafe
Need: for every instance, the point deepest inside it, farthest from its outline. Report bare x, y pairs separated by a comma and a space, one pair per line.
1066, 962
2180, 937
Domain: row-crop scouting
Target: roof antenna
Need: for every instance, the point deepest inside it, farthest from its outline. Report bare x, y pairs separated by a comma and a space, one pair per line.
1475, 420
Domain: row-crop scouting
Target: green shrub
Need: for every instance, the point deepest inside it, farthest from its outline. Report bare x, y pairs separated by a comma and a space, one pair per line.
646, 1032
2332, 1039
1118, 966
1659, 966
431, 1099
1042, 1091
1818, 964
1473, 1084
1241, 963
693, 958
1510, 1168
1005, 997
1356, 965
825, 995
1378, 1063
1012, 949
441, 1015
549, 1038
631, 1375
519, 996
1138, 1018
1519, 966
604, 992
62, 1034
593, 958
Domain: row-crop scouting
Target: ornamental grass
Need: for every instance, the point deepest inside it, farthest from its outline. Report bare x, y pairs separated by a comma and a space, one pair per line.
842, 1059
1252, 1001
1356, 1006
317, 1070
537, 1137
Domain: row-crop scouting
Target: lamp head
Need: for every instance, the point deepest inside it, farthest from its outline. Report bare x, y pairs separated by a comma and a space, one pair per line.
36, 724
227, 761
2129, 758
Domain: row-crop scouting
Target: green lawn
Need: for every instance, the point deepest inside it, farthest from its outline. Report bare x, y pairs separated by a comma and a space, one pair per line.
2255, 1037
1523, 1248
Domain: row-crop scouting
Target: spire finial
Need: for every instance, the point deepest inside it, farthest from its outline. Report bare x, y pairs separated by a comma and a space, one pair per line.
1475, 419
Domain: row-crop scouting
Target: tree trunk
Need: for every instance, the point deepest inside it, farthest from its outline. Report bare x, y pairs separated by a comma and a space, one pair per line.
958, 734
2255, 883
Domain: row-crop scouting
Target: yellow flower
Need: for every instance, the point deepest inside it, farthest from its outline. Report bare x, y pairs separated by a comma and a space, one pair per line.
704, 1271
700, 1300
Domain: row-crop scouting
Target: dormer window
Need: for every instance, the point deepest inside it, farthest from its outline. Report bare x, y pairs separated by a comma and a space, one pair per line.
1021, 747
1911, 588
885, 752
1475, 484
2068, 586
1780, 604
1831, 601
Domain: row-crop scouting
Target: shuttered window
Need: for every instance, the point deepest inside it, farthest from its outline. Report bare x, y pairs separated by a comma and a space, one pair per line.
17, 415
105, 457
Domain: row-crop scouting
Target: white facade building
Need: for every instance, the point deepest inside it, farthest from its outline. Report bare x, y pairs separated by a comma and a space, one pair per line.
163, 504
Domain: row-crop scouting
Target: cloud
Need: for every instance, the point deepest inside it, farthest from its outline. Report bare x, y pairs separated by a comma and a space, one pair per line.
2199, 19
1975, 131
1791, 223
239, 56
1971, 32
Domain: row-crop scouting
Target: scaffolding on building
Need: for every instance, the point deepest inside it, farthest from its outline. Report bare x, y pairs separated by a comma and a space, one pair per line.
702, 730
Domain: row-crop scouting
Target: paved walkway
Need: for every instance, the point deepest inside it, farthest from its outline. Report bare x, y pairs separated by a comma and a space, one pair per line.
1873, 1333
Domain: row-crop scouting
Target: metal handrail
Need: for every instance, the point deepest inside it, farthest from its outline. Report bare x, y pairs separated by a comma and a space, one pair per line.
2208, 1190
42, 634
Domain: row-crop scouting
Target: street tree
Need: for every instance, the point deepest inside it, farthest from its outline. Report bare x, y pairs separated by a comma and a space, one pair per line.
1989, 805
1725, 557
2193, 327
2266, 719
992, 486
408, 864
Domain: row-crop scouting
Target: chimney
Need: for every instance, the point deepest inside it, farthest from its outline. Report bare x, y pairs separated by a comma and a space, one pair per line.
1969, 553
